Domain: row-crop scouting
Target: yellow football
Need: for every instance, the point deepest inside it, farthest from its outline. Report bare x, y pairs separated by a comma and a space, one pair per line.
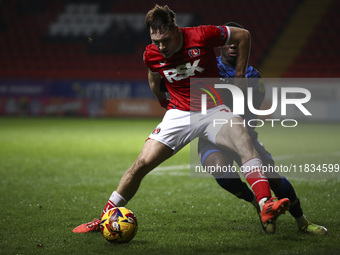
119, 225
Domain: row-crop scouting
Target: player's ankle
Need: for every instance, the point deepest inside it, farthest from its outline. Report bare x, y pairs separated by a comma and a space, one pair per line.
262, 202
301, 221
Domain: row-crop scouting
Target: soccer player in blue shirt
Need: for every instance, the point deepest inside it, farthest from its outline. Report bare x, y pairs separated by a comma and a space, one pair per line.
212, 155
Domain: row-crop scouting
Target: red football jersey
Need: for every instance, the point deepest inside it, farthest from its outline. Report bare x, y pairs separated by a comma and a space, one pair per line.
196, 59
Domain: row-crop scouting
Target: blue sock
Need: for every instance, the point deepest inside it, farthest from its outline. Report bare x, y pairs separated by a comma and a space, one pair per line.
286, 190
236, 187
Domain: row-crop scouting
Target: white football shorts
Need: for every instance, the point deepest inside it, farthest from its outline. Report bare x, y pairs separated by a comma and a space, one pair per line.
178, 127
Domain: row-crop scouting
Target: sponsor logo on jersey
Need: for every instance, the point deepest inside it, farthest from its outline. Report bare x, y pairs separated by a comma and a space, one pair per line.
194, 52
183, 71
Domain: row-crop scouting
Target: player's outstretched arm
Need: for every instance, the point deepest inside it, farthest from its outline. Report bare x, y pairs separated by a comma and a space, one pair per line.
241, 37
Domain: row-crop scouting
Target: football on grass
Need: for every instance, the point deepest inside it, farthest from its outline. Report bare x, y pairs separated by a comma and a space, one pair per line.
119, 225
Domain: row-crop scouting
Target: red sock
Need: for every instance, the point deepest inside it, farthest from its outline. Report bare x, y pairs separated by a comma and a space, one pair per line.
115, 200
108, 206
252, 171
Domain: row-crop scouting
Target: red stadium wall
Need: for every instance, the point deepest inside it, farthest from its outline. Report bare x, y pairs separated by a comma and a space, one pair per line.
77, 41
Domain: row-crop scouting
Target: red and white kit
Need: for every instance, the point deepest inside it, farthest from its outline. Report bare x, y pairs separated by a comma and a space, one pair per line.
196, 59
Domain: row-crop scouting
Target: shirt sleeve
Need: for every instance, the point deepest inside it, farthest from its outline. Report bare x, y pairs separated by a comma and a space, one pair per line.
216, 35
147, 62
254, 74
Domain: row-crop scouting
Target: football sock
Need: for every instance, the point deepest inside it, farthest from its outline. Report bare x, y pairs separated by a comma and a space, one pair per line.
301, 221
295, 209
286, 190
252, 171
262, 202
115, 200
236, 187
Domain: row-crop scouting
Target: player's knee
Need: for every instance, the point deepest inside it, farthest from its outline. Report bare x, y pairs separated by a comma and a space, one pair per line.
217, 164
240, 133
243, 145
140, 167
217, 158
140, 163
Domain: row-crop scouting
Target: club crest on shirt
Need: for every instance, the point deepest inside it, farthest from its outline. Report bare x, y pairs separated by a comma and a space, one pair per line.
194, 52
156, 131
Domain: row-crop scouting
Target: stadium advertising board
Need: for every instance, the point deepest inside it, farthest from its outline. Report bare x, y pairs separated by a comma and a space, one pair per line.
77, 98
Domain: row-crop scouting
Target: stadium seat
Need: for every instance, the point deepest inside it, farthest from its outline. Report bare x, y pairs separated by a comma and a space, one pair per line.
315, 59
54, 42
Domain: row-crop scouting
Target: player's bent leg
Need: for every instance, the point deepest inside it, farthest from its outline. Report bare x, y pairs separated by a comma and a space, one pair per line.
228, 179
231, 182
212, 156
284, 189
152, 154
236, 137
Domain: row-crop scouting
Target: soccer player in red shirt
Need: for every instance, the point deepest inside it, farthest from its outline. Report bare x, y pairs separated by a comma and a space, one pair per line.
178, 54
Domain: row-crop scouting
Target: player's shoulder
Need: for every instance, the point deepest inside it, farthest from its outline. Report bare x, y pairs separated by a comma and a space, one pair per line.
201, 30
193, 29
151, 53
151, 49
192, 32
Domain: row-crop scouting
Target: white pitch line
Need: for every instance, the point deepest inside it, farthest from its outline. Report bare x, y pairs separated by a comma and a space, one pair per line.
290, 156
170, 168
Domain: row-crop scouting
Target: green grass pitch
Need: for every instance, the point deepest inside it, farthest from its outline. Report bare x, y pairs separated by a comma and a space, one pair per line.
57, 173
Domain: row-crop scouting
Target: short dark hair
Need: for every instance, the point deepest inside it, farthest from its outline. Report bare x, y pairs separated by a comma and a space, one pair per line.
160, 18
233, 24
